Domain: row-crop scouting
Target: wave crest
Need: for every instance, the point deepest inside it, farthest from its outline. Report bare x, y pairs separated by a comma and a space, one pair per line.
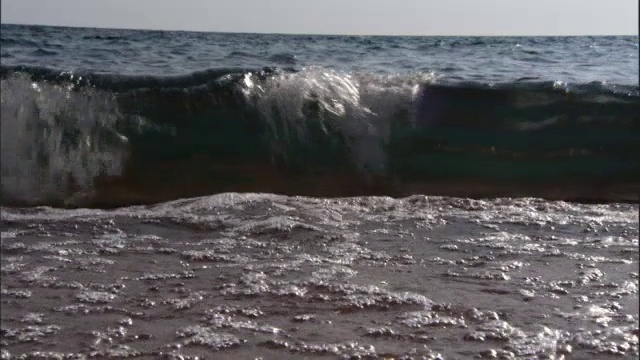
359, 108
231, 130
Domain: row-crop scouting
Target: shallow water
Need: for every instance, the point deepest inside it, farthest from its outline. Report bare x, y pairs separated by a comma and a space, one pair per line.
257, 275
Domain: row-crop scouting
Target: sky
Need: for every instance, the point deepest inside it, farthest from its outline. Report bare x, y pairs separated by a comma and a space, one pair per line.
361, 17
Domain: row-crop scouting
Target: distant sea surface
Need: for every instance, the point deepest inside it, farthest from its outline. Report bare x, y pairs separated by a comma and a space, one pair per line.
185, 195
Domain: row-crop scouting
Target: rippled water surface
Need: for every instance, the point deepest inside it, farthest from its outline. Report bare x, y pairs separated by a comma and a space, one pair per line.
249, 275
611, 59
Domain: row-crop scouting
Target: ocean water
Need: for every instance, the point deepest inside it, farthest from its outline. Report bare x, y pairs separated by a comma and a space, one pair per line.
148, 116
206, 195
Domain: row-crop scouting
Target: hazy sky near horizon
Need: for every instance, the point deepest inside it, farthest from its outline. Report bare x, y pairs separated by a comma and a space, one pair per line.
384, 17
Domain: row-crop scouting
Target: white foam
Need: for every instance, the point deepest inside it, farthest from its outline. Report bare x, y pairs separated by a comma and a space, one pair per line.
38, 159
362, 107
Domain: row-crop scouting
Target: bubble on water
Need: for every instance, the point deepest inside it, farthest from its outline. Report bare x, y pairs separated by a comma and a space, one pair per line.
95, 297
420, 319
32, 333
207, 336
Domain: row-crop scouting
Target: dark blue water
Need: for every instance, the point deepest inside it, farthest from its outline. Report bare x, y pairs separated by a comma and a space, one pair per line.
211, 112
607, 59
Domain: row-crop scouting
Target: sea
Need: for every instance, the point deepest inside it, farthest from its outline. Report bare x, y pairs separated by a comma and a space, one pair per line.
191, 195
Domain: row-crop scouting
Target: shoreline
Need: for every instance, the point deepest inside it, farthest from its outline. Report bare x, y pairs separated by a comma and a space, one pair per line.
127, 191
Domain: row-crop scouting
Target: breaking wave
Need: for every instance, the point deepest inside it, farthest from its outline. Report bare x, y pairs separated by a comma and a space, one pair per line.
101, 140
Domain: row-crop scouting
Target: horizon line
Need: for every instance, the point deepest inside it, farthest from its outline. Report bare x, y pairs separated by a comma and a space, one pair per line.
99, 27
